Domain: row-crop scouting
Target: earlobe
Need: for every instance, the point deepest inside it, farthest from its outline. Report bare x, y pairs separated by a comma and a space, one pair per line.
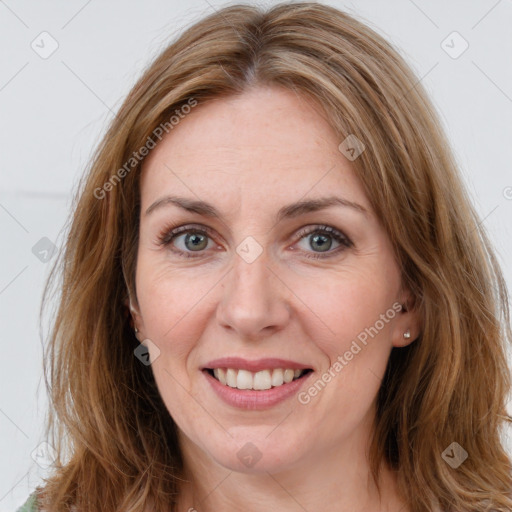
407, 327
404, 338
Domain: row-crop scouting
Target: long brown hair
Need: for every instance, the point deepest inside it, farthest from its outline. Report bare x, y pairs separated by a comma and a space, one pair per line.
115, 440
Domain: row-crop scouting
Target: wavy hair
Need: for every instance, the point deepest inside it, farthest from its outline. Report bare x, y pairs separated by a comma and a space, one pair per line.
116, 442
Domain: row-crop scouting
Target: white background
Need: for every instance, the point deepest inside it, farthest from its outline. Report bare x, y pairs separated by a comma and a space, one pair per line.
54, 111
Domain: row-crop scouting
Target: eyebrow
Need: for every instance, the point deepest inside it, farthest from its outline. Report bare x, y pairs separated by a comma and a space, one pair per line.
286, 212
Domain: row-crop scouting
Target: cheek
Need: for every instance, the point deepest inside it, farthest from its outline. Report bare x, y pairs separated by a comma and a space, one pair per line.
353, 304
169, 299
172, 304
355, 336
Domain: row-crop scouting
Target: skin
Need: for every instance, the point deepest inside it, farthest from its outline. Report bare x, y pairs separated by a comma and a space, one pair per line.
249, 155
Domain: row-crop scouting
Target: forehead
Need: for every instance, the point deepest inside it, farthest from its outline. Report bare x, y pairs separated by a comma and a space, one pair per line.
263, 146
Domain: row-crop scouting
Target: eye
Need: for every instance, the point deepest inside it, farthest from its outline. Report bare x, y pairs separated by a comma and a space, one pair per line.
321, 239
190, 239
186, 240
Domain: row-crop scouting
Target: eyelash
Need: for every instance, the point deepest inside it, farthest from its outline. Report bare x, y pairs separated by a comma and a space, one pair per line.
171, 232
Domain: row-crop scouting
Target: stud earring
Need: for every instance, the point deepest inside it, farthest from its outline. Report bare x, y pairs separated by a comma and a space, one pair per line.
407, 334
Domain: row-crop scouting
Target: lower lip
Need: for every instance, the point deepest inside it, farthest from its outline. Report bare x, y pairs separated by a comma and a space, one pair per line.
256, 400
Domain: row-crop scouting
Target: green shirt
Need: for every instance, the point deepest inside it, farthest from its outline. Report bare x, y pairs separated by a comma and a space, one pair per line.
30, 505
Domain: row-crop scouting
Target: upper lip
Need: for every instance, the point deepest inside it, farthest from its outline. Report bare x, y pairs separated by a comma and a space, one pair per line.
255, 365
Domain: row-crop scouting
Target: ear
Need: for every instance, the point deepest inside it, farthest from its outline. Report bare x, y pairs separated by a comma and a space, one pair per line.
408, 322
136, 317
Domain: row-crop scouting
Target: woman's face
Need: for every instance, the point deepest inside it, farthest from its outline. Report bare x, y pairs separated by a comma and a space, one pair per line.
279, 264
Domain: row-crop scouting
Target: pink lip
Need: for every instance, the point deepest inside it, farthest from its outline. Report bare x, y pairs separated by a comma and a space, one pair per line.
251, 399
257, 365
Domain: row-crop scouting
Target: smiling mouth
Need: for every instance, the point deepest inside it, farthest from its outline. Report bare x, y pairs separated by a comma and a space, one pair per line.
258, 381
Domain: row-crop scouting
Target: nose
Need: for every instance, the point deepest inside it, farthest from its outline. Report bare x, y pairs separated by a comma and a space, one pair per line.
255, 302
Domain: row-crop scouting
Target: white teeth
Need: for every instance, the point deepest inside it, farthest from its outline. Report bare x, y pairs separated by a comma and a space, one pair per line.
277, 377
244, 380
264, 379
231, 377
220, 373
288, 375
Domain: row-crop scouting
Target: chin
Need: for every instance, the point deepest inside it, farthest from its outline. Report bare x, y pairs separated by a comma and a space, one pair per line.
256, 452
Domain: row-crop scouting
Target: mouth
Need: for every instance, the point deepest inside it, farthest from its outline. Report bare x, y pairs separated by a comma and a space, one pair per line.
262, 380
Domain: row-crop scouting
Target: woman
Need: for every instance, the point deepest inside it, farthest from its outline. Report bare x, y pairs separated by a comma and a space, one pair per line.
276, 294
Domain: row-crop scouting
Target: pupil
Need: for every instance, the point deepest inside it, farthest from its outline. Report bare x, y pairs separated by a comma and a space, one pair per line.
196, 241
323, 245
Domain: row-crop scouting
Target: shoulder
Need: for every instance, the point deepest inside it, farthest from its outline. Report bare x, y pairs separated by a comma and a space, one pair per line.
30, 505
